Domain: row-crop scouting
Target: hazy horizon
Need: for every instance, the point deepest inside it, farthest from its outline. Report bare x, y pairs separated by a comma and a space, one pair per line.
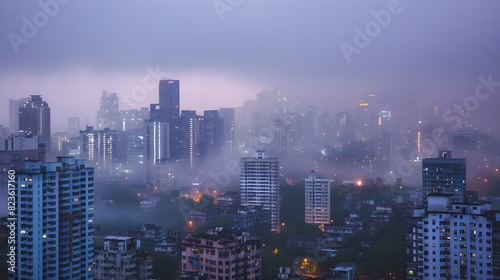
429, 49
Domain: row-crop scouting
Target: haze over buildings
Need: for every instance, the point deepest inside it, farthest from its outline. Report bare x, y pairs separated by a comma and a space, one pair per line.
409, 56
209, 115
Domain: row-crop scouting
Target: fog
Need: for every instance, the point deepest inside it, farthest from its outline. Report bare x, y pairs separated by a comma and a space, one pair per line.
223, 58
423, 61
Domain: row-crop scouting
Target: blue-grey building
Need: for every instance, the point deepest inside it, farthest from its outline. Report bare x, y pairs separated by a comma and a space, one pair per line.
444, 175
55, 220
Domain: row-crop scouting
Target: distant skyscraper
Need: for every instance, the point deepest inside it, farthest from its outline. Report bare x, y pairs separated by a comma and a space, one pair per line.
98, 148
326, 128
388, 152
191, 135
55, 220
444, 175
109, 112
313, 123
169, 99
259, 185
73, 127
133, 119
34, 119
156, 146
14, 105
366, 117
317, 200
229, 130
213, 134
134, 148
345, 131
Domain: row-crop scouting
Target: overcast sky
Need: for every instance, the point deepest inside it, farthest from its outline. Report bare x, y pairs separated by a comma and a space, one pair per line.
225, 51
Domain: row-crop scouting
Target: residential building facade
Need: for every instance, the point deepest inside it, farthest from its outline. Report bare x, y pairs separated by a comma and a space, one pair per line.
259, 185
222, 254
317, 200
55, 220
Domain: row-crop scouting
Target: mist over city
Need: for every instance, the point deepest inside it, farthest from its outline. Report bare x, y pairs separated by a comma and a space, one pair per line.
233, 139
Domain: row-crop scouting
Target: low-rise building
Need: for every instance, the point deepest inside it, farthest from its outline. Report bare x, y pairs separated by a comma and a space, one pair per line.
344, 271
222, 254
122, 258
254, 220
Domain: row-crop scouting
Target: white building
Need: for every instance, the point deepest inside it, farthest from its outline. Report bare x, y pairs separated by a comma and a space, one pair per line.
98, 148
317, 200
259, 185
156, 147
55, 217
451, 240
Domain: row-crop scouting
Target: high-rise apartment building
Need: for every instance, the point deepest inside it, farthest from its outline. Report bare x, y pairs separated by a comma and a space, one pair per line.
191, 136
14, 105
59, 143
156, 143
109, 111
213, 135
259, 185
227, 114
55, 217
169, 111
73, 127
452, 240
121, 258
222, 254
317, 200
34, 119
444, 175
169, 100
98, 148
133, 142
345, 131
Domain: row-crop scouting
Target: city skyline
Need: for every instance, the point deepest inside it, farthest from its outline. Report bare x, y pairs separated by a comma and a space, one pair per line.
250, 140
407, 55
